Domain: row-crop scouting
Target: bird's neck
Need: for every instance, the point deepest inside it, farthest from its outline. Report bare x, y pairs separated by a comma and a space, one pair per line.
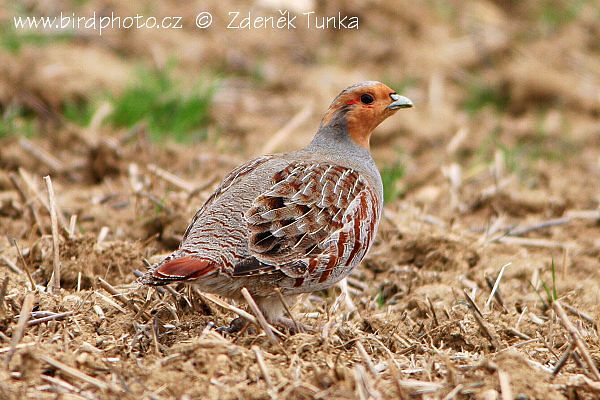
341, 123
332, 138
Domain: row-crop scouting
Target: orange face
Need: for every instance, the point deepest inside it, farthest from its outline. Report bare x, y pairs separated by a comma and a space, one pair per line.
365, 106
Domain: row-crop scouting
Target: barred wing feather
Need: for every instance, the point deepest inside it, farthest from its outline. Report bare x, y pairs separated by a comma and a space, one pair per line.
315, 221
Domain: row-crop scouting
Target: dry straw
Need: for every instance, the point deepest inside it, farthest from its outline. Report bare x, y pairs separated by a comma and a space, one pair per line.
55, 240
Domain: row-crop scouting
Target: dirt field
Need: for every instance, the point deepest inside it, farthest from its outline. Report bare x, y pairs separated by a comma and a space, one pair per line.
484, 282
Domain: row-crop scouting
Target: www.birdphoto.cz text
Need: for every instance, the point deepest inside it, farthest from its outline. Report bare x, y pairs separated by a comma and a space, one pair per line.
236, 20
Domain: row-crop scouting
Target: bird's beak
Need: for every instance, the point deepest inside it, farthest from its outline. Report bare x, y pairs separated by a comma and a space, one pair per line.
399, 102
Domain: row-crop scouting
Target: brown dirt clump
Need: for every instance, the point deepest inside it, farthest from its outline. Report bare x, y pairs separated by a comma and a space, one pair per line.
84, 259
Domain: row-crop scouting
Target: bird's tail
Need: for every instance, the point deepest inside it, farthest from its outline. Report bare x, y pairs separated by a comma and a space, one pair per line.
175, 268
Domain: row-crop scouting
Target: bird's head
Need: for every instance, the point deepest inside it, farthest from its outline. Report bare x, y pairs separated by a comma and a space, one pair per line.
360, 108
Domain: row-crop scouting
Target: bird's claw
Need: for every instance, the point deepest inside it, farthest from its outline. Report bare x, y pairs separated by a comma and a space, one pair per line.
235, 326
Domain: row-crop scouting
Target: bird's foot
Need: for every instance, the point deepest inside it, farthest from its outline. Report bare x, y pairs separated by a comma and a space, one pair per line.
240, 324
292, 326
235, 326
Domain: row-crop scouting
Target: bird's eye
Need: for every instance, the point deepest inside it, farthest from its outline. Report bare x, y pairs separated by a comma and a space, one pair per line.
366, 98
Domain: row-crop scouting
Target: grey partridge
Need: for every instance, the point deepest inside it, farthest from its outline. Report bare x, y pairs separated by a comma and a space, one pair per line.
298, 221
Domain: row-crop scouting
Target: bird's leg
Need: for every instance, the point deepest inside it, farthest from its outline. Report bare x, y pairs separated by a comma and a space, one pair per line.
293, 326
236, 325
274, 310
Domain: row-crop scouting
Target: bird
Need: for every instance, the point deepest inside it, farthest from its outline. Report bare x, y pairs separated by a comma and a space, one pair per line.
293, 222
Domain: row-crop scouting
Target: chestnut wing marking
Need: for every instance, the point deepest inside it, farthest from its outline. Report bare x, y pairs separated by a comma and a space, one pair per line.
315, 217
